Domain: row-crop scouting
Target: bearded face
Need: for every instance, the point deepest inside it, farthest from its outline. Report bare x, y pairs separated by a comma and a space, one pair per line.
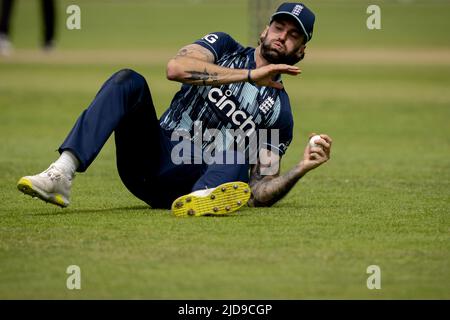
282, 43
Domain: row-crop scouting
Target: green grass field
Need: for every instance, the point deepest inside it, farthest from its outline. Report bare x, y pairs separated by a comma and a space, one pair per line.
383, 199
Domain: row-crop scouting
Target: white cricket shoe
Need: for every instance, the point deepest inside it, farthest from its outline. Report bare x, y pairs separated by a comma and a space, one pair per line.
224, 199
52, 186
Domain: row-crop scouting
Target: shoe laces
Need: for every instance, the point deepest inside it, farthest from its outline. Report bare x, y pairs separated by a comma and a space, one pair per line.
53, 173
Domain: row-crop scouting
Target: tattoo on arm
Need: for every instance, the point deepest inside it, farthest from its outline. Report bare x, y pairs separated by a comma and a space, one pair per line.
195, 51
182, 53
196, 77
267, 190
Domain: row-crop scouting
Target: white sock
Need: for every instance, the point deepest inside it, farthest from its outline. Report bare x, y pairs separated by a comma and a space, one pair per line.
67, 163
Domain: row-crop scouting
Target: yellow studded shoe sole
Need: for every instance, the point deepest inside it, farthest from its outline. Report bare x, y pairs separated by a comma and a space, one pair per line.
224, 199
25, 186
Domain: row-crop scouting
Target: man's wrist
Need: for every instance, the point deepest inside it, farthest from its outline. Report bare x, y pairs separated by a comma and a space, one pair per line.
300, 169
249, 77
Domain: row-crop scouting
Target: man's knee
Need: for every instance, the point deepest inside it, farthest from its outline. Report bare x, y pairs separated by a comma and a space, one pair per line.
125, 75
134, 85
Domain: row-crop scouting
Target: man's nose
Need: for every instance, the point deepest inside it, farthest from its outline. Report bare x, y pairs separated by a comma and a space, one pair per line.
282, 35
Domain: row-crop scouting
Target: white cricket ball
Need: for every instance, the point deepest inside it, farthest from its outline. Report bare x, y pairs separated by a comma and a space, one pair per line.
312, 141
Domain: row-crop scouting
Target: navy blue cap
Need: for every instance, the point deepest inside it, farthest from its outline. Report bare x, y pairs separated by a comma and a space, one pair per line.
301, 14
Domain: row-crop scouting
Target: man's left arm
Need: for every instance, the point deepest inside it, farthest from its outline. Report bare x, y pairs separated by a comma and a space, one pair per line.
269, 189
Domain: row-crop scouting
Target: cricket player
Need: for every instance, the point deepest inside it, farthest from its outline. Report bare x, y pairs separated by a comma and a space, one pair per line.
226, 88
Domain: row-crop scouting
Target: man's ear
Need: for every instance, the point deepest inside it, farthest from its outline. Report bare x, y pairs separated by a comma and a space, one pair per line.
263, 35
300, 52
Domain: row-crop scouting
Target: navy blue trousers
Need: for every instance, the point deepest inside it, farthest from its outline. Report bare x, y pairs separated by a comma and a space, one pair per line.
143, 149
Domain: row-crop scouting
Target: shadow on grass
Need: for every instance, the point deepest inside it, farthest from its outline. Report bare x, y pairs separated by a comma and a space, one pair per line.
64, 211
118, 210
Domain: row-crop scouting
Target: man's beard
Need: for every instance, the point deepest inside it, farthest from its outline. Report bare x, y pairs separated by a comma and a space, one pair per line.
277, 57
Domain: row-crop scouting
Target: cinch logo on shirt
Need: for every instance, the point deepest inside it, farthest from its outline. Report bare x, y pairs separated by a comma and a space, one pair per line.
238, 117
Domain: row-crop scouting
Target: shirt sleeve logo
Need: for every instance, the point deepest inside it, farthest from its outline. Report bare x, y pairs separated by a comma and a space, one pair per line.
211, 38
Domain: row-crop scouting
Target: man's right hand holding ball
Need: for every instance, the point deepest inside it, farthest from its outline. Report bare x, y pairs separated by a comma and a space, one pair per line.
316, 152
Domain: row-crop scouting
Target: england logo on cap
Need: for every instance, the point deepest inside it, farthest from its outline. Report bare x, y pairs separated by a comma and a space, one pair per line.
303, 16
297, 9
